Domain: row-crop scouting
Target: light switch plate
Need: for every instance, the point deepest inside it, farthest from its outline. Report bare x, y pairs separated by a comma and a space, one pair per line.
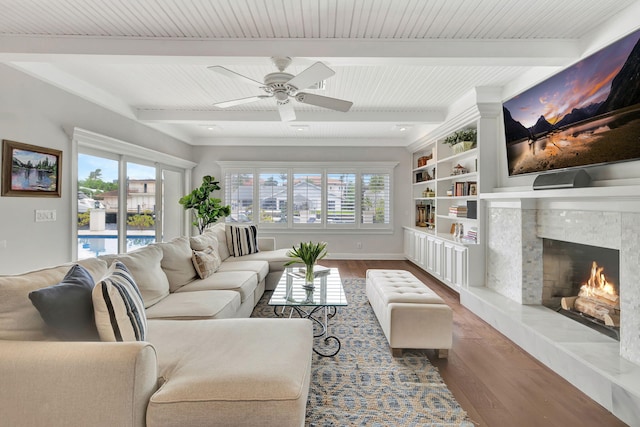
45, 215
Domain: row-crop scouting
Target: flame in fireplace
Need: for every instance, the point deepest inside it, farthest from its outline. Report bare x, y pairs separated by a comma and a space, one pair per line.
598, 286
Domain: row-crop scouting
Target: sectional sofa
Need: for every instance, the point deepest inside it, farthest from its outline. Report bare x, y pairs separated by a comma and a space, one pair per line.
201, 362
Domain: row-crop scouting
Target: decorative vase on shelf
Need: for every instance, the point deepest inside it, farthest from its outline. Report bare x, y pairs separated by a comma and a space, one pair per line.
462, 146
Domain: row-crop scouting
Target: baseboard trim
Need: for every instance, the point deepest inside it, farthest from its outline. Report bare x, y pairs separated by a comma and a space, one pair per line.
361, 256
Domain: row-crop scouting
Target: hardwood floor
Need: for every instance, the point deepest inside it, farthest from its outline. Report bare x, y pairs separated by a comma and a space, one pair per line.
494, 380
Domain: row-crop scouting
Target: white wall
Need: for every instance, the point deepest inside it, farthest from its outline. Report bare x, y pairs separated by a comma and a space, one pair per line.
36, 113
341, 244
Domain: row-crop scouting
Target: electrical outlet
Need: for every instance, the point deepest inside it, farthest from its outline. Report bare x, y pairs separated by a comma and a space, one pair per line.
45, 215
3, 244
359, 245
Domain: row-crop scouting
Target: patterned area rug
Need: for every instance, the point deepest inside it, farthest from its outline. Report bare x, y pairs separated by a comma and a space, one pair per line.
363, 385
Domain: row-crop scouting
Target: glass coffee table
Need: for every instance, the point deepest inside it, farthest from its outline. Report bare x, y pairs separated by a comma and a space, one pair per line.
319, 304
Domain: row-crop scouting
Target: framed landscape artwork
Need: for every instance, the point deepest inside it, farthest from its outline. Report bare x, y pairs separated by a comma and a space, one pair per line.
31, 171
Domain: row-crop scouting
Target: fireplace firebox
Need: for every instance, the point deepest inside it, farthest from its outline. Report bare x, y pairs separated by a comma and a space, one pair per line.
582, 282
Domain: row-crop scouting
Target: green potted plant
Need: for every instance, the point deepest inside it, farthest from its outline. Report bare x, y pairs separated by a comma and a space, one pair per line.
307, 254
462, 140
206, 209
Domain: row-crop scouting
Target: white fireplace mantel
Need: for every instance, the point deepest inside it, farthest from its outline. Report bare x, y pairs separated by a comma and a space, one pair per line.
601, 189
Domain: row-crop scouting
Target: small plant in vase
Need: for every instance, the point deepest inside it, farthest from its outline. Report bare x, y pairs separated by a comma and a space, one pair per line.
462, 140
307, 254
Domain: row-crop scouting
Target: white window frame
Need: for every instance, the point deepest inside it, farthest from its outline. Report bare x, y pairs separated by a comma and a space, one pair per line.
255, 168
124, 152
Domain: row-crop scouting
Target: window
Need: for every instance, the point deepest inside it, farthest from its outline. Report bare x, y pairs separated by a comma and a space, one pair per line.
238, 190
375, 198
307, 198
273, 192
310, 196
343, 197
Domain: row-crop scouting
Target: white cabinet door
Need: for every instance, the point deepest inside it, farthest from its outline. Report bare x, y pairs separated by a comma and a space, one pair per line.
460, 266
421, 249
449, 260
437, 257
455, 265
409, 245
430, 258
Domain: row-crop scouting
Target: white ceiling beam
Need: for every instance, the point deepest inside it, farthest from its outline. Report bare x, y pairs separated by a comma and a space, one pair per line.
189, 117
302, 142
337, 51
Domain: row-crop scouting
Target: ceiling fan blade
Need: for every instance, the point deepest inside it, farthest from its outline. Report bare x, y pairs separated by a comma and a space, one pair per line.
317, 72
233, 103
324, 101
286, 111
232, 74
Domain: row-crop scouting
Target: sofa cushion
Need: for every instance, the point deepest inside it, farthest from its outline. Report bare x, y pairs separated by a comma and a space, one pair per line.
176, 262
206, 262
218, 230
118, 306
196, 305
215, 372
276, 258
242, 239
260, 268
203, 241
67, 307
244, 282
19, 319
144, 265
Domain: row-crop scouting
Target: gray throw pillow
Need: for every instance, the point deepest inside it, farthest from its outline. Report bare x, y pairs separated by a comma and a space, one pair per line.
67, 307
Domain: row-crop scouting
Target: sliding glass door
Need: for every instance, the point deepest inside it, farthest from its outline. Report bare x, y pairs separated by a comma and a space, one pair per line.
124, 204
97, 211
142, 211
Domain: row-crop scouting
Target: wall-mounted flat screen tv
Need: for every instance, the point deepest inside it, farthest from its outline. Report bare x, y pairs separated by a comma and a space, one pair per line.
588, 114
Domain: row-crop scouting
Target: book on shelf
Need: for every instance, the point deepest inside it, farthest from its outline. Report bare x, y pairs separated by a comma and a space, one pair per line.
472, 234
465, 188
458, 211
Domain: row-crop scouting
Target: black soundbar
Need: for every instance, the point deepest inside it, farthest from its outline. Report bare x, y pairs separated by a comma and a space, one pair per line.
565, 179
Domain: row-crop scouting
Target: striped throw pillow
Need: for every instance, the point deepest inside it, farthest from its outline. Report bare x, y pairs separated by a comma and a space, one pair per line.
118, 306
244, 239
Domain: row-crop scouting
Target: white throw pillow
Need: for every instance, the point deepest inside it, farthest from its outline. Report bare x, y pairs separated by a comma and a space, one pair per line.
118, 307
203, 241
144, 265
176, 262
206, 262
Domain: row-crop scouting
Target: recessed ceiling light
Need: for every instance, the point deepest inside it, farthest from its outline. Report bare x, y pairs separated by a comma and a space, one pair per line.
211, 127
300, 128
402, 128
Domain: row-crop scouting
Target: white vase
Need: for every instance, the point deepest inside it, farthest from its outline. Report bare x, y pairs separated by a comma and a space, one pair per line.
463, 146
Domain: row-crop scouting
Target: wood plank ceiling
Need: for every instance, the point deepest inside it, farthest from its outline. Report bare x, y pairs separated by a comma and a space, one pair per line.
399, 61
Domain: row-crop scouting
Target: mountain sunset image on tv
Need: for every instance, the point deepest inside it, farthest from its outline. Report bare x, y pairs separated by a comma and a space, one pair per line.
588, 114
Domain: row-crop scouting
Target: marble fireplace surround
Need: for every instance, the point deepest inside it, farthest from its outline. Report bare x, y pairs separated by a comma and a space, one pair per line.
606, 370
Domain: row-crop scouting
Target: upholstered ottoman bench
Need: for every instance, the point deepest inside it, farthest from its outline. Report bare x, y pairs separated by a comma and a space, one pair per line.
410, 314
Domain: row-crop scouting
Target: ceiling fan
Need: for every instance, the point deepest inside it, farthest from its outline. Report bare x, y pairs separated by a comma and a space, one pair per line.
284, 86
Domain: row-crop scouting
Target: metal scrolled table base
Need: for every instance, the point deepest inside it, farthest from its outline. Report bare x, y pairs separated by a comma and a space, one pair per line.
328, 314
